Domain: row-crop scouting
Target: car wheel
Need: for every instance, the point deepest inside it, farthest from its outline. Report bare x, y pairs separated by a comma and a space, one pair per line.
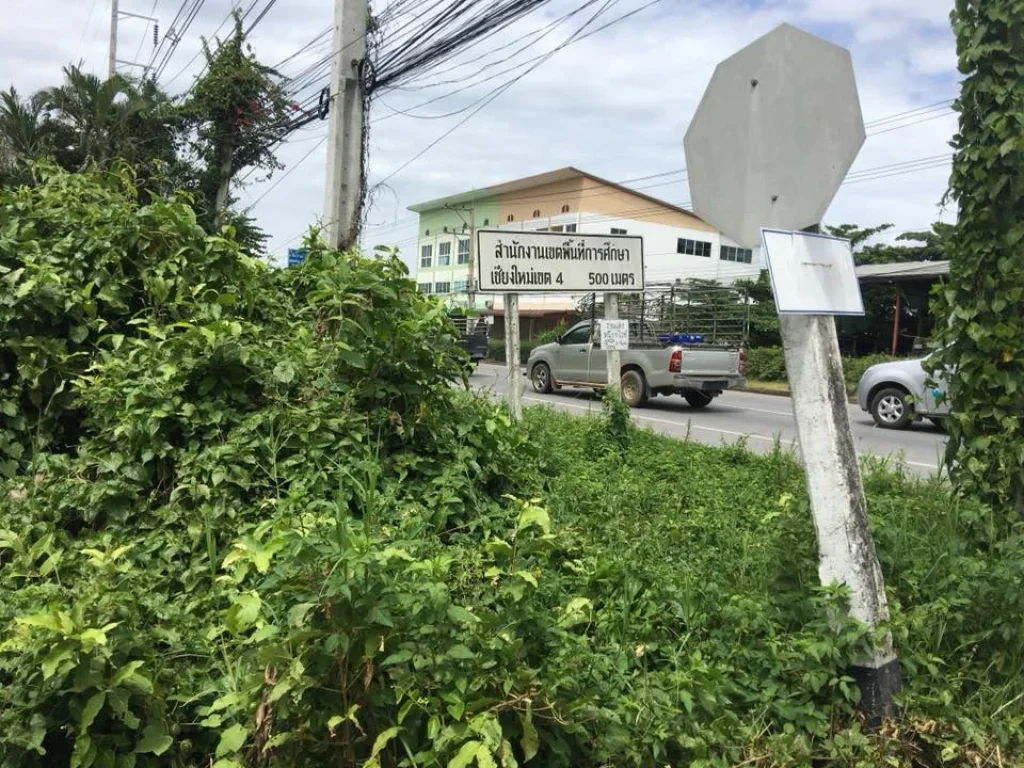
891, 410
541, 378
633, 388
698, 399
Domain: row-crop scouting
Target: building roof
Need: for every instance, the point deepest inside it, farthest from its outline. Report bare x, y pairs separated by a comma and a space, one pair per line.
908, 270
529, 182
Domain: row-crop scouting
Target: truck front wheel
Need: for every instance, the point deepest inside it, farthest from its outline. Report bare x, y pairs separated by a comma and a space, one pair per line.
541, 378
633, 388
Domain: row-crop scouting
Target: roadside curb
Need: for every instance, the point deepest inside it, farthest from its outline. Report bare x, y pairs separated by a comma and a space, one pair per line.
851, 399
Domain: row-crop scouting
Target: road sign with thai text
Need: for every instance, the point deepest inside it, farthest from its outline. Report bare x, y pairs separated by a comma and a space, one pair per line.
559, 262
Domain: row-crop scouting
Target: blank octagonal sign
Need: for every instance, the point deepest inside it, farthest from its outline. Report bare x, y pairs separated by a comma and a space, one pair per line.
777, 130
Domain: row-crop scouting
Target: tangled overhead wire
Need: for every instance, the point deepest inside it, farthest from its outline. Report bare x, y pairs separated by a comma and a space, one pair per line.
416, 41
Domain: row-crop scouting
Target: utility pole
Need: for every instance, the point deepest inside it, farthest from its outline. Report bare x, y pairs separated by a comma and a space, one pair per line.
471, 276
112, 64
344, 187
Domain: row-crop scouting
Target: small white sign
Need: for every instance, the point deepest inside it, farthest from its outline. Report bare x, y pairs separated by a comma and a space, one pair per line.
812, 274
558, 262
614, 335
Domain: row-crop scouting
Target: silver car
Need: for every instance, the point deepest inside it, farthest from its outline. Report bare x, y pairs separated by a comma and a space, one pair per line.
901, 392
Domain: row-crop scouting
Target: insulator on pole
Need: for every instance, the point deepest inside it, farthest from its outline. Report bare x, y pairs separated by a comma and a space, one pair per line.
156, 33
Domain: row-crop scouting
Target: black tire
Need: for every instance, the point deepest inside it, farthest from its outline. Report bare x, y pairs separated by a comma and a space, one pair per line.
540, 377
633, 388
698, 399
891, 409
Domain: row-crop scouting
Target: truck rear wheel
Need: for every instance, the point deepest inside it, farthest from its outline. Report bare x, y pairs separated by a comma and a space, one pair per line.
698, 399
633, 387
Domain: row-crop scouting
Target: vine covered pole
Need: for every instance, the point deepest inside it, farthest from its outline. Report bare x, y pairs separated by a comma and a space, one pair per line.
981, 344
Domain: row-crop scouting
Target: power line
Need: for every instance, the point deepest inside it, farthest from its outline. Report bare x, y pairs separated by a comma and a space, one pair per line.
286, 174
575, 37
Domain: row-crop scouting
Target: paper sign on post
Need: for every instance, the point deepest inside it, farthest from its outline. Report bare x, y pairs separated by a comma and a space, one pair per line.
614, 335
812, 274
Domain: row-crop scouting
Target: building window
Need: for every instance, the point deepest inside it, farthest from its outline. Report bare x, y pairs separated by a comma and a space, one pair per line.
558, 228
460, 286
426, 257
694, 248
536, 214
565, 209
424, 288
444, 254
487, 222
465, 227
739, 255
570, 227
442, 288
618, 231
462, 256
510, 218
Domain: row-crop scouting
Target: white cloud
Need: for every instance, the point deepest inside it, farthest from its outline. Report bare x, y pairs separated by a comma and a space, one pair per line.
616, 104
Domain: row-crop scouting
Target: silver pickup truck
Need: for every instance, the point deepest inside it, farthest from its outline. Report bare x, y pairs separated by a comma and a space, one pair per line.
698, 372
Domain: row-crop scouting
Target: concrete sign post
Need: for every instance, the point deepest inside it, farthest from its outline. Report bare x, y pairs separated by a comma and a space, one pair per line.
553, 262
773, 138
512, 355
614, 337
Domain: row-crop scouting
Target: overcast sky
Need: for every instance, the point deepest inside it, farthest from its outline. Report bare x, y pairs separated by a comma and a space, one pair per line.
616, 104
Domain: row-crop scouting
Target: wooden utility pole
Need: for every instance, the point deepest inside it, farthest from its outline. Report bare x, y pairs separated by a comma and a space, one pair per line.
344, 187
112, 63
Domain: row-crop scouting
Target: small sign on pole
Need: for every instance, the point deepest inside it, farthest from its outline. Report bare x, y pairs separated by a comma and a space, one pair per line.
812, 274
614, 335
514, 263
296, 256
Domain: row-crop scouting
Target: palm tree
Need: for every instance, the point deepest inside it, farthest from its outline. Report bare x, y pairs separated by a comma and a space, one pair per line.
100, 113
25, 133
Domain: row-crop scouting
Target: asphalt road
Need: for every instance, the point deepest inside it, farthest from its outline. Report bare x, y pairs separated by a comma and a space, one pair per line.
760, 419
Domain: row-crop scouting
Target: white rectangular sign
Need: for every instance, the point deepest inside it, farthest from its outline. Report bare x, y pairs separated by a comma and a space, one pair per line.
558, 262
812, 274
614, 335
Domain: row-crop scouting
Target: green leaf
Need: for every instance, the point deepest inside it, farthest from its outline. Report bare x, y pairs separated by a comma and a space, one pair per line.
154, 740
298, 614
460, 652
527, 577
79, 333
284, 373
484, 758
57, 655
90, 710
382, 741
398, 657
244, 611
530, 743
124, 672
465, 755
41, 620
534, 515
232, 740
462, 615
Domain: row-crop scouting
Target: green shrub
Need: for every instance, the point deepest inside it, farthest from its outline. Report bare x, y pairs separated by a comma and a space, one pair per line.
854, 368
765, 364
768, 364
281, 537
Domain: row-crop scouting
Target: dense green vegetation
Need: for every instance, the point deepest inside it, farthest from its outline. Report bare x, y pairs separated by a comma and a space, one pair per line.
983, 339
247, 520
769, 364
